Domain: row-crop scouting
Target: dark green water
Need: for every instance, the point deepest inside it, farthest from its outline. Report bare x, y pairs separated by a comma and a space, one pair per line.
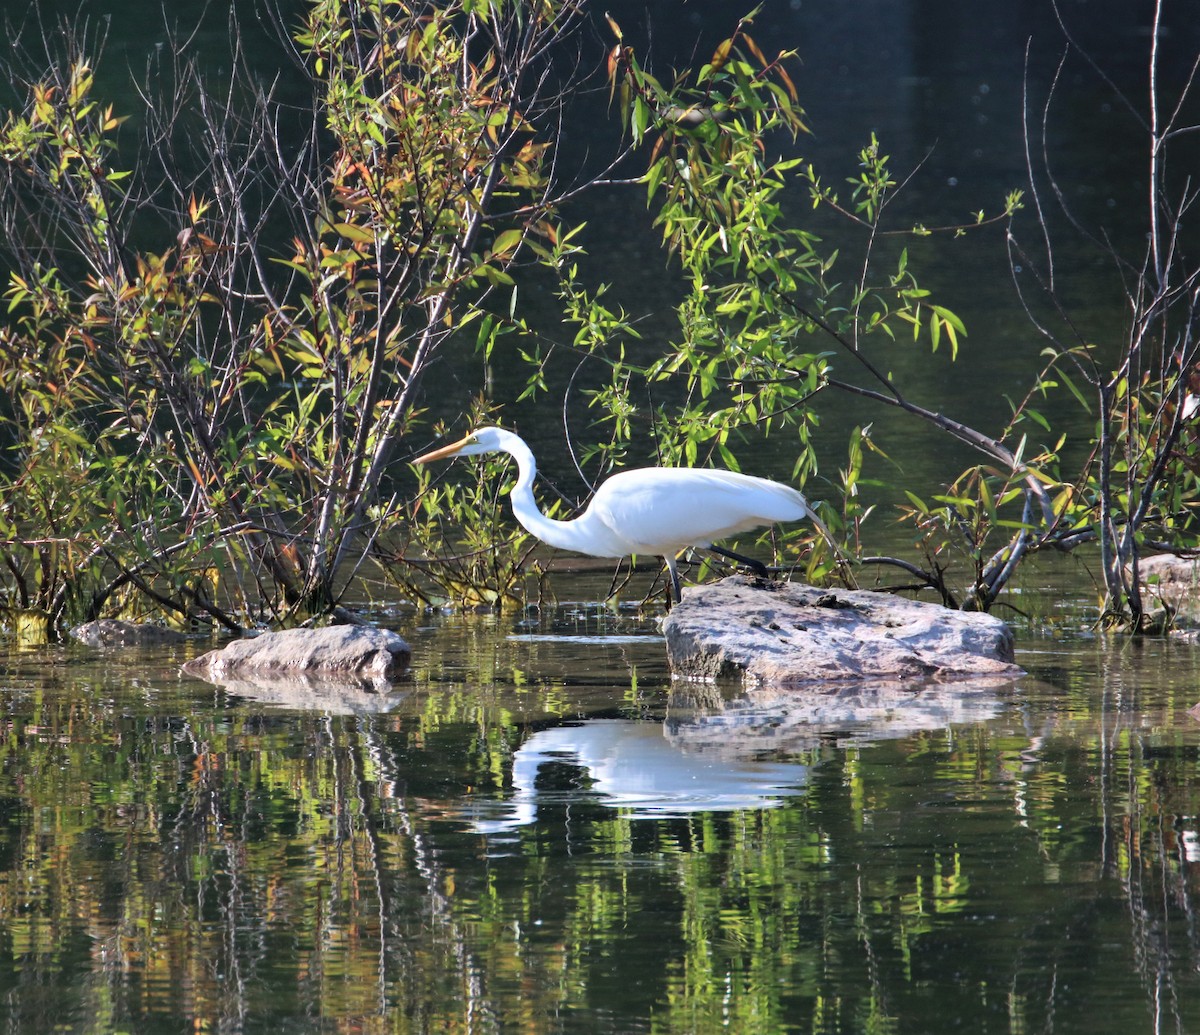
538, 832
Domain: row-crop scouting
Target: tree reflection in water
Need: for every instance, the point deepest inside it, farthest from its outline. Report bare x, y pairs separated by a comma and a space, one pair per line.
172, 854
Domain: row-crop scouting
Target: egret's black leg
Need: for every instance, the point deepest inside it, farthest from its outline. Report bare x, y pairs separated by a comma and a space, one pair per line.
676, 594
752, 563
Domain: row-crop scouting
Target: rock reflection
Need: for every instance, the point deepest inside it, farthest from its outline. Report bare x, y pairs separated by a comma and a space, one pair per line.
769, 719
717, 756
314, 693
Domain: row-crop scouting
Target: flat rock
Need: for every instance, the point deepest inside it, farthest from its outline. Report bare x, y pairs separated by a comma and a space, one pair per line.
114, 632
793, 635
360, 651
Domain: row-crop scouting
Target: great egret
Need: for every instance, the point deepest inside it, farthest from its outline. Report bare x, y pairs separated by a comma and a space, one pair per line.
650, 510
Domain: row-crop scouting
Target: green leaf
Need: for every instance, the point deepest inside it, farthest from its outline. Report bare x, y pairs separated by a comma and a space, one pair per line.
507, 241
353, 232
1075, 391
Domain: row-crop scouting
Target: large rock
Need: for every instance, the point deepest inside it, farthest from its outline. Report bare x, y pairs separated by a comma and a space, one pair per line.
789, 634
350, 650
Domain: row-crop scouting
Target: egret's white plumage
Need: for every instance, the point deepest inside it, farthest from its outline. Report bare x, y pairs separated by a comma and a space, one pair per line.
649, 510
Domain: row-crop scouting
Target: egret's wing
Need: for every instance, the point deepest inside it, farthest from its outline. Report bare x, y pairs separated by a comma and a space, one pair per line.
664, 509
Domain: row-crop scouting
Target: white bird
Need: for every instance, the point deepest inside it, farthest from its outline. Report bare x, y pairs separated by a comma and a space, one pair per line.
649, 510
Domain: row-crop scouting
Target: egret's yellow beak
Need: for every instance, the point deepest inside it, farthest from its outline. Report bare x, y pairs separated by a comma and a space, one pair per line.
445, 451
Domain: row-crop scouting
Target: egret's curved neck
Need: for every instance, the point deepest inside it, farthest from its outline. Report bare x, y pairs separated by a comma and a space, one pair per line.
563, 534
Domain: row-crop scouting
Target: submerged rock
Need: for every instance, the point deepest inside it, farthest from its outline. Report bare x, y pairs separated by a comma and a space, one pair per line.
114, 632
790, 634
351, 650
